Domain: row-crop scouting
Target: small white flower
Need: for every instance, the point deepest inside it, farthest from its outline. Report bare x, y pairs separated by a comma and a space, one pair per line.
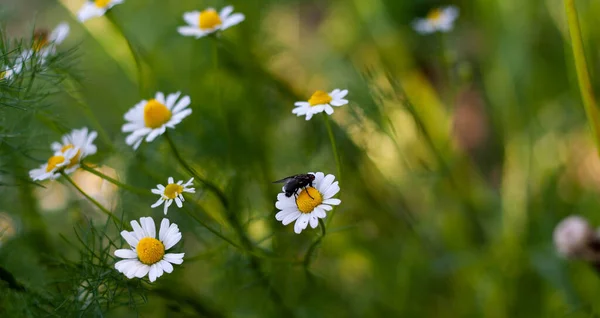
8, 73
309, 204
321, 101
96, 8
44, 45
172, 192
438, 19
151, 118
575, 238
52, 168
209, 21
147, 254
79, 139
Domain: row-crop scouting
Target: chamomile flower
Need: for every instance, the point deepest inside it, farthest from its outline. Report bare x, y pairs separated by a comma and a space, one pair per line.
201, 23
309, 204
80, 139
44, 44
150, 118
55, 164
172, 192
7, 74
321, 101
147, 254
96, 8
438, 19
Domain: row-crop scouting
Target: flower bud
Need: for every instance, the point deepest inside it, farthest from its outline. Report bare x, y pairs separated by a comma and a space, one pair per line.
574, 238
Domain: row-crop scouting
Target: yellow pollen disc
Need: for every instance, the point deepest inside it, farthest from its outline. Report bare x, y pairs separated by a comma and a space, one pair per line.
305, 203
40, 39
75, 158
150, 250
172, 190
318, 98
2, 74
435, 14
156, 114
53, 162
209, 19
101, 3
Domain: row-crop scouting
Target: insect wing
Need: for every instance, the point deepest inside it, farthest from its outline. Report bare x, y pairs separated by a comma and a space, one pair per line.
286, 179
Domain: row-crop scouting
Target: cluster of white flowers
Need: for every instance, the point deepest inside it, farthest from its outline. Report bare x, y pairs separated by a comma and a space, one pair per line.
149, 119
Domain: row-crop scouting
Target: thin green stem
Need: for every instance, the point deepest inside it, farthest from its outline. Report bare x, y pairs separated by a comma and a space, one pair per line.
195, 174
115, 181
583, 76
335, 155
314, 245
93, 201
136, 58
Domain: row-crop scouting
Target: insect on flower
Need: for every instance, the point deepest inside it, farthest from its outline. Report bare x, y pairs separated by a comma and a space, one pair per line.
296, 182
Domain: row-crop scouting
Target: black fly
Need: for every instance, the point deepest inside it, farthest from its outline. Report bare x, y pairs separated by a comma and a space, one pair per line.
295, 182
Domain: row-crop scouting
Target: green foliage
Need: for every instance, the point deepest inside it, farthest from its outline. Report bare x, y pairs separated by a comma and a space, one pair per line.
457, 155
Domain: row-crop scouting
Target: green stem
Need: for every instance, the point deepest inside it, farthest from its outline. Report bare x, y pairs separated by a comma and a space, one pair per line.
314, 245
116, 182
96, 203
136, 58
583, 77
335, 155
195, 174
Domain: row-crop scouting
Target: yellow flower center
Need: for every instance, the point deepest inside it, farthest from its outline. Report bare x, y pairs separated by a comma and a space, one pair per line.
308, 200
40, 39
53, 162
172, 190
209, 19
75, 159
435, 15
150, 250
101, 3
319, 98
2, 74
156, 114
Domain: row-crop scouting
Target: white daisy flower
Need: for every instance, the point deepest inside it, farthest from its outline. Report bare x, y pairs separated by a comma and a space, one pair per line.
309, 204
96, 8
172, 192
209, 21
321, 101
8, 73
44, 45
52, 168
438, 19
79, 139
147, 254
151, 118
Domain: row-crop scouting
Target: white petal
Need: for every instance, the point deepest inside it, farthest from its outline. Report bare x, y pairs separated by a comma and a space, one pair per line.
125, 253
192, 18
225, 12
164, 227
232, 20
328, 110
138, 231
142, 271
172, 240
313, 221
291, 217
152, 273
332, 201
178, 202
281, 215
166, 266
171, 99
301, 223
88, 11
183, 103
319, 211
333, 190
174, 258
160, 97
132, 241
150, 227
191, 31
59, 33
325, 183
153, 134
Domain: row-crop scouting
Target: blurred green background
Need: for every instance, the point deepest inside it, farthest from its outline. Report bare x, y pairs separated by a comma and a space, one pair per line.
460, 153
